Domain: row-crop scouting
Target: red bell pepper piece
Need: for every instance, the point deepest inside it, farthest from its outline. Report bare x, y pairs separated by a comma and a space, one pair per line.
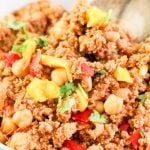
35, 66
82, 116
8, 110
124, 126
135, 136
20, 130
10, 58
87, 70
72, 145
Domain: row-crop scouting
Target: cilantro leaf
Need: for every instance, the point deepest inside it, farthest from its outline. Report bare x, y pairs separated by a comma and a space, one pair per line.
142, 134
67, 105
97, 118
67, 89
16, 25
142, 98
42, 41
101, 72
18, 48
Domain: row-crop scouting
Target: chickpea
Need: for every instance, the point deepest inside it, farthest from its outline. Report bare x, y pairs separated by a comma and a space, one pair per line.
20, 68
122, 92
99, 106
59, 76
113, 105
57, 29
23, 118
7, 125
2, 138
112, 36
20, 141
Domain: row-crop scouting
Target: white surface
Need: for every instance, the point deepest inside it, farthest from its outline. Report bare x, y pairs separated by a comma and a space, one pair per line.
7, 6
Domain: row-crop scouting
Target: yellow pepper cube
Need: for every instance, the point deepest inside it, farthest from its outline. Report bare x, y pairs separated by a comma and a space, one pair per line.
143, 70
57, 63
83, 98
51, 89
122, 74
29, 50
36, 91
95, 17
42, 90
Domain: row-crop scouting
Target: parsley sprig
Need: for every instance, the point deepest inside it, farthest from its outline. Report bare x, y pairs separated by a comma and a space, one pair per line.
97, 117
67, 89
42, 41
18, 48
16, 25
101, 72
143, 98
66, 105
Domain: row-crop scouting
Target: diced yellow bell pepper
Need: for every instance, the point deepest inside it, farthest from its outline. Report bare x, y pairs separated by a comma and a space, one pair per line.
95, 17
122, 74
57, 63
83, 98
143, 70
51, 89
29, 50
42, 90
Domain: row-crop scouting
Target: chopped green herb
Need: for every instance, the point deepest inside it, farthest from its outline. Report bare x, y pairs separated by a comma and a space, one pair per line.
108, 17
142, 98
102, 72
15, 25
18, 48
148, 82
97, 118
142, 134
67, 89
42, 41
67, 105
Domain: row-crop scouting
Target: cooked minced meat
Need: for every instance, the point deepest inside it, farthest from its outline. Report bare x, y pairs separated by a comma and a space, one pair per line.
72, 81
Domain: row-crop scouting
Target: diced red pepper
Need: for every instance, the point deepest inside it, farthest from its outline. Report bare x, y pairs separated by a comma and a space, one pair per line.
124, 126
135, 136
35, 65
82, 116
87, 70
72, 145
8, 110
20, 130
10, 58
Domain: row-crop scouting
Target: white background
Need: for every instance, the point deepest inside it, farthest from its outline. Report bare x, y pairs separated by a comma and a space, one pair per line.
7, 6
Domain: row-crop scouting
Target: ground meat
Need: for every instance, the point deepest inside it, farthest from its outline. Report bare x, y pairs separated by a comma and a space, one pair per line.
99, 129
37, 23
95, 147
6, 38
3, 93
64, 132
102, 48
20, 141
